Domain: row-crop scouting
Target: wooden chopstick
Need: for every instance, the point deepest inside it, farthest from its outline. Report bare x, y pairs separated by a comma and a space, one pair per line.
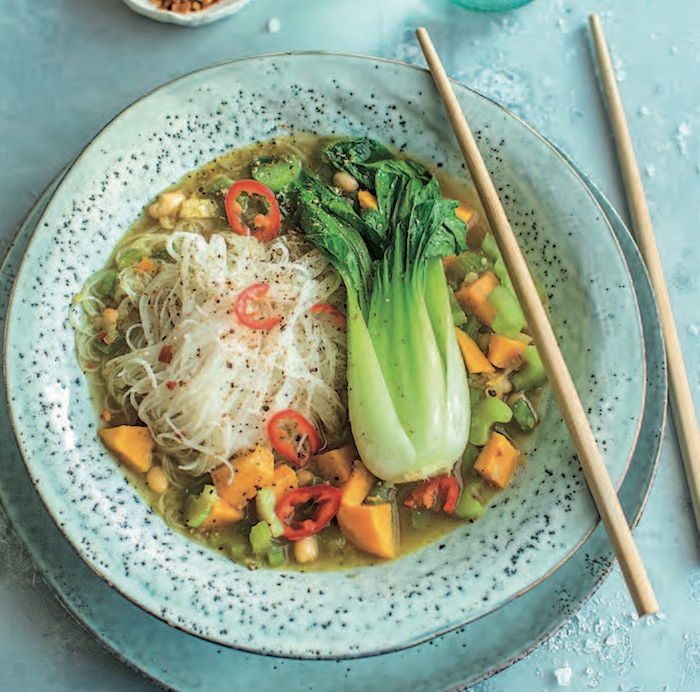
567, 398
681, 399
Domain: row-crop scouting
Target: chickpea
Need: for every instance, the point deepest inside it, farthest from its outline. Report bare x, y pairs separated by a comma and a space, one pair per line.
345, 181
498, 386
156, 479
306, 550
166, 205
305, 477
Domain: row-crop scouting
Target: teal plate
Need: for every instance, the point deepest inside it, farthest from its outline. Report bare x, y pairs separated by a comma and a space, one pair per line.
530, 530
451, 661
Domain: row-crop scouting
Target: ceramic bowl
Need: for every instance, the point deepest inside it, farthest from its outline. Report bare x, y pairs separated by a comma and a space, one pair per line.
221, 10
531, 529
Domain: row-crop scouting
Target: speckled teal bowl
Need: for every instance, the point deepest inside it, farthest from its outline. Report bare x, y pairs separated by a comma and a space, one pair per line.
532, 528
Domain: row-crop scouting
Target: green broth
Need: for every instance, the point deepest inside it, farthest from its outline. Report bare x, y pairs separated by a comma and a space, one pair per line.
417, 528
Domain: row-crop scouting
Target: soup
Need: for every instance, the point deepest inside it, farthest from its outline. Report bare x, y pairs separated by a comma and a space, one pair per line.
308, 355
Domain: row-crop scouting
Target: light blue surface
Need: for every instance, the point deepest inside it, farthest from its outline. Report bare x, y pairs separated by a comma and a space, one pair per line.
68, 67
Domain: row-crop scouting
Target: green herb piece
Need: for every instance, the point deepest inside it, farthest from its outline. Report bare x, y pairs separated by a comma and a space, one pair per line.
220, 183
276, 172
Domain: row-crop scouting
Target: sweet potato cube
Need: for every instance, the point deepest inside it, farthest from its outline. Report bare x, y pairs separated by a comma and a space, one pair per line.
336, 464
372, 528
221, 516
132, 444
473, 298
467, 213
248, 473
284, 479
358, 485
504, 352
474, 358
497, 460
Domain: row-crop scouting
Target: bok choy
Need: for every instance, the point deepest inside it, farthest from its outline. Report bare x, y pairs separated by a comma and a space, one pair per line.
408, 397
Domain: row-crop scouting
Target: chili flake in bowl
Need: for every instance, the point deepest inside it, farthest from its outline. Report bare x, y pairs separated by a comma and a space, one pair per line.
186, 12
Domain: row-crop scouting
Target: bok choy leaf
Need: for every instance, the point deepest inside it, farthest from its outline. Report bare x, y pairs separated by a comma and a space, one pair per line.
407, 387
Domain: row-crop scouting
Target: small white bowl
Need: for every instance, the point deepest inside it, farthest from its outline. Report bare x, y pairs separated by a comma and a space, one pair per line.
221, 10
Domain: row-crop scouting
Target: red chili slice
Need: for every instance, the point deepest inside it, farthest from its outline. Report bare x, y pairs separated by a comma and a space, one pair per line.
251, 209
338, 317
293, 436
325, 500
426, 495
248, 314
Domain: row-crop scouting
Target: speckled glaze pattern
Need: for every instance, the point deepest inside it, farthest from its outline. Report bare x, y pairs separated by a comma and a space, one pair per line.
532, 528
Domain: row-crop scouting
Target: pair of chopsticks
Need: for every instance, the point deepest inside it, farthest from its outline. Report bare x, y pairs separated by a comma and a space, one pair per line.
565, 393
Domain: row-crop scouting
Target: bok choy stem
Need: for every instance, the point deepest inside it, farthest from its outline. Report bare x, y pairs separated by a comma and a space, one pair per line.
408, 396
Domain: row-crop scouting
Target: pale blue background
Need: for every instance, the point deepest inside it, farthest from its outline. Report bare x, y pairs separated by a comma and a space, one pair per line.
69, 66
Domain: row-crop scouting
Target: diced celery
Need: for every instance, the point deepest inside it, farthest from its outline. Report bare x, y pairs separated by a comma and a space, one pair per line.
532, 374
261, 538
459, 317
238, 548
265, 502
486, 414
471, 453
471, 327
509, 319
276, 556
199, 506
470, 504
490, 247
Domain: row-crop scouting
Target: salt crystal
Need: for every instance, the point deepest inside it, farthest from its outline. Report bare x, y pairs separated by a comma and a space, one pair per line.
563, 676
681, 137
274, 25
